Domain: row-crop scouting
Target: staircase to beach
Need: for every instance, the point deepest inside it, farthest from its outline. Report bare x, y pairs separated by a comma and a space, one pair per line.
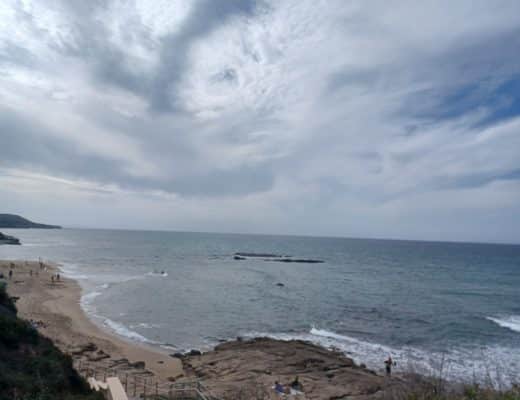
142, 384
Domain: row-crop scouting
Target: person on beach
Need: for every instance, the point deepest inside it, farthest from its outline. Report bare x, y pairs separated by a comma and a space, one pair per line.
388, 366
278, 388
10, 273
296, 385
58, 277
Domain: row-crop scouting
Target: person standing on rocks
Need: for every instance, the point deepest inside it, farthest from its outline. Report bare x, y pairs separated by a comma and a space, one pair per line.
388, 365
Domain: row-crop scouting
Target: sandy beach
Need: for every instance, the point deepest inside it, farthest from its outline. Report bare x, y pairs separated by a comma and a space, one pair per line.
55, 308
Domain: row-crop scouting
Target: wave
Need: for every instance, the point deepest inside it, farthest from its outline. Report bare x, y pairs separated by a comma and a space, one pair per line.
87, 298
122, 330
512, 322
145, 325
74, 271
71, 271
461, 364
157, 273
328, 334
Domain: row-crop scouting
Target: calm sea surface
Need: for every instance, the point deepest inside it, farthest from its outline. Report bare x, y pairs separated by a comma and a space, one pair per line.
423, 302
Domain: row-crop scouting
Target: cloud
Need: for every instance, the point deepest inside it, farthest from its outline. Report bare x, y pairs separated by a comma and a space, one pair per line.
325, 117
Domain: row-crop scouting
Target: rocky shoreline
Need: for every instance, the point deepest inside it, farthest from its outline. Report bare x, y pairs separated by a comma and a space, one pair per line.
253, 366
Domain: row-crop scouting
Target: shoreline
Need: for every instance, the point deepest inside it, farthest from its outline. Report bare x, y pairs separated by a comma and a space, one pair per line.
56, 308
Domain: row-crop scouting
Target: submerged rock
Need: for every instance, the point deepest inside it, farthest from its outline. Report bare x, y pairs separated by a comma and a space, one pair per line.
296, 260
261, 255
274, 257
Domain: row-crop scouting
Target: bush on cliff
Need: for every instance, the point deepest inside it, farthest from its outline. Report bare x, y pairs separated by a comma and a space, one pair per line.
31, 367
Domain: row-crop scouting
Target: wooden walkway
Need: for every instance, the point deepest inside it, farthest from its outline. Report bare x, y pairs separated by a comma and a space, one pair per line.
144, 385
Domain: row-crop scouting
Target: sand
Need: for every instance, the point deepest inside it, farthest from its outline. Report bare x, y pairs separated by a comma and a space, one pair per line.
56, 306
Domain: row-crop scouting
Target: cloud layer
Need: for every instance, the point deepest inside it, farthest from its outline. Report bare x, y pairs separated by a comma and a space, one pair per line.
307, 117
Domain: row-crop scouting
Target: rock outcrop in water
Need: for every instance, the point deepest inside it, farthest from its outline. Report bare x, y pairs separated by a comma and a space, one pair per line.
274, 257
6, 239
18, 222
296, 260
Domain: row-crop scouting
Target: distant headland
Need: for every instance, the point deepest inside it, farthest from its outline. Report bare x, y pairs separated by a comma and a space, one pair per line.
18, 222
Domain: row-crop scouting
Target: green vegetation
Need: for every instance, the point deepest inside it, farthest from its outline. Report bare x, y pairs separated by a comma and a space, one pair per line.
31, 367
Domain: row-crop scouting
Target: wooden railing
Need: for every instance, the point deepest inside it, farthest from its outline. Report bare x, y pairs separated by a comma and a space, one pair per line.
144, 385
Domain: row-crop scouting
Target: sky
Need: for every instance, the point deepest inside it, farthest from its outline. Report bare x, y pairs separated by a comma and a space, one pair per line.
331, 118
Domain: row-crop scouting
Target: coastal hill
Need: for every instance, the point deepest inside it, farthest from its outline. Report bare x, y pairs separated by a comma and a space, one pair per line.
16, 221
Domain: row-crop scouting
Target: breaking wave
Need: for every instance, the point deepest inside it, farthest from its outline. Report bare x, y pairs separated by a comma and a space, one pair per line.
122, 330
512, 322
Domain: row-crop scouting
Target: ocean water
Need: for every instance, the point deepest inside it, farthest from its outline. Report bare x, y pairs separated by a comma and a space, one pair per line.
426, 303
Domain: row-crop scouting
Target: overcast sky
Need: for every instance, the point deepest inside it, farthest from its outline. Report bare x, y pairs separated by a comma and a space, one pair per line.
345, 118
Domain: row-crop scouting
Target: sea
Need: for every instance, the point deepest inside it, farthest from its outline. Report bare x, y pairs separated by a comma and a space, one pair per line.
444, 309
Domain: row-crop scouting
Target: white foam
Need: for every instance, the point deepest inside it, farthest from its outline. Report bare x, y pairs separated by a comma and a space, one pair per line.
87, 298
71, 271
512, 322
145, 325
122, 330
327, 334
104, 279
463, 364
155, 273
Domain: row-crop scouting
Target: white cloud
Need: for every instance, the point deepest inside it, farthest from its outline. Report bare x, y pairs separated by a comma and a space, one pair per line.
302, 116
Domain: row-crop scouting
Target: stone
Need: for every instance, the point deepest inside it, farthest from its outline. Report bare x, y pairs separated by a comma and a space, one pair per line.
138, 364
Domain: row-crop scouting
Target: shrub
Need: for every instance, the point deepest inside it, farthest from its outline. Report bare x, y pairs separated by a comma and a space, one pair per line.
31, 367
